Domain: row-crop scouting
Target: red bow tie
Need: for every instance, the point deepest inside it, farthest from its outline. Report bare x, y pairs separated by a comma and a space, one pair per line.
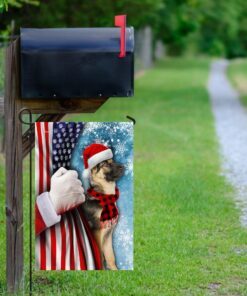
107, 201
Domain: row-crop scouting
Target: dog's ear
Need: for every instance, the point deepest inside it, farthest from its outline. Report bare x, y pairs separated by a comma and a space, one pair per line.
95, 170
98, 167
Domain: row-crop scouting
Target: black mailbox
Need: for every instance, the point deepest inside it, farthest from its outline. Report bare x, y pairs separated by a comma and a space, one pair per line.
76, 63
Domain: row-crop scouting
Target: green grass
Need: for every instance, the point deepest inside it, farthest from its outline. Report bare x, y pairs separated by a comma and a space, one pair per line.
238, 74
188, 239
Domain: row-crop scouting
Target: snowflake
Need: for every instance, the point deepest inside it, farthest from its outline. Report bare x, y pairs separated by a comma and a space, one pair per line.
126, 128
125, 238
128, 264
124, 241
91, 127
120, 148
98, 141
129, 168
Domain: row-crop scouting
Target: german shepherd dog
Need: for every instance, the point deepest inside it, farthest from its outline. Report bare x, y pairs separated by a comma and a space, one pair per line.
103, 180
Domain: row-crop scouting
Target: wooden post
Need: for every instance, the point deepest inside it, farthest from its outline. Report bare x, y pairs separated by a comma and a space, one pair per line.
17, 147
14, 204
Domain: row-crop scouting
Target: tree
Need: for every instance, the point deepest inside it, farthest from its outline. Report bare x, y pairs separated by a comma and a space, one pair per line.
219, 27
212, 27
83, 13
177, 20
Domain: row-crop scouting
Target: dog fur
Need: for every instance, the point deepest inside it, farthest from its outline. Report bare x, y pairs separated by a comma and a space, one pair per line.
103, 179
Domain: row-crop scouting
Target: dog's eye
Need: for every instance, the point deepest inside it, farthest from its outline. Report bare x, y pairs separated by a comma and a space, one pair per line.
103, 163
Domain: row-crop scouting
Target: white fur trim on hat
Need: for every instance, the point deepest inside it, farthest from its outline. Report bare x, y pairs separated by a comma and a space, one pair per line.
99, 157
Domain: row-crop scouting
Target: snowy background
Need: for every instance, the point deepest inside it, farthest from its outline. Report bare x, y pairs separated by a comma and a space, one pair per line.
119, 137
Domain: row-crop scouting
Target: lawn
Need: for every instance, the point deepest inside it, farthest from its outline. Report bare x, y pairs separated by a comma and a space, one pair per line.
238, 74
188, 238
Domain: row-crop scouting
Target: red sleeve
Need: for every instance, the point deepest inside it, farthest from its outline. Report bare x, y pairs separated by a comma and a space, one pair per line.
45, 214
39, 222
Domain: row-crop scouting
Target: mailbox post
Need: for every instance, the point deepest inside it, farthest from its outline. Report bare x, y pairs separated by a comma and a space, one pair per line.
54, 72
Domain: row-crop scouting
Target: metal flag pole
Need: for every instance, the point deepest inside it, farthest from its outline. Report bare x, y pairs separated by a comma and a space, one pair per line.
132, 119
29, 136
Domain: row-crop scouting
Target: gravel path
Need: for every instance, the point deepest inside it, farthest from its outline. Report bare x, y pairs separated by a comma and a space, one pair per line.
231, 127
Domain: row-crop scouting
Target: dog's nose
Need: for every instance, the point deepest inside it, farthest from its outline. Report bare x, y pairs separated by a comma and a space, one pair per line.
122, 168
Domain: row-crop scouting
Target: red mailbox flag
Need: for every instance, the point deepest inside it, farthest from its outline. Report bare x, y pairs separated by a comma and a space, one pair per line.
120, 21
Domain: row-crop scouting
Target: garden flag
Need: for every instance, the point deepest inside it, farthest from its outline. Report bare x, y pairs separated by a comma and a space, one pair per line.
84, 189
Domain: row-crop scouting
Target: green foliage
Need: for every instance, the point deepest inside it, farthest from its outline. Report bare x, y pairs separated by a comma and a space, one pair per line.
84, 13
217, 48
177, 20
217, 28
4, 4
7, 28
220, 27
20, 3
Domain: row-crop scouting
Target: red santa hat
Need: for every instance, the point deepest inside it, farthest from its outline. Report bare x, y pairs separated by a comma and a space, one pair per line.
93, 155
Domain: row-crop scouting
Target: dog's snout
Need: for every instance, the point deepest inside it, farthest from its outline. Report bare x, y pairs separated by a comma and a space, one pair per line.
118, 167
116, 171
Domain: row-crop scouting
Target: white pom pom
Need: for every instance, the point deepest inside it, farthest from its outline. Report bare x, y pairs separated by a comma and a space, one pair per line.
86, 174
86, 179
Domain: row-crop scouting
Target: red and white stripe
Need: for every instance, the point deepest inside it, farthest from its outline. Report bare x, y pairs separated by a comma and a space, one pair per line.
62, 242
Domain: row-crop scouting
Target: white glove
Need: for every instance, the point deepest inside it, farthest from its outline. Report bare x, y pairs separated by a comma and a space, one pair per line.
66, 190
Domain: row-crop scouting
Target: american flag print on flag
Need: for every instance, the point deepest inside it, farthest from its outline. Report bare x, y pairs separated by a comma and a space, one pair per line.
65, 238
64, 243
